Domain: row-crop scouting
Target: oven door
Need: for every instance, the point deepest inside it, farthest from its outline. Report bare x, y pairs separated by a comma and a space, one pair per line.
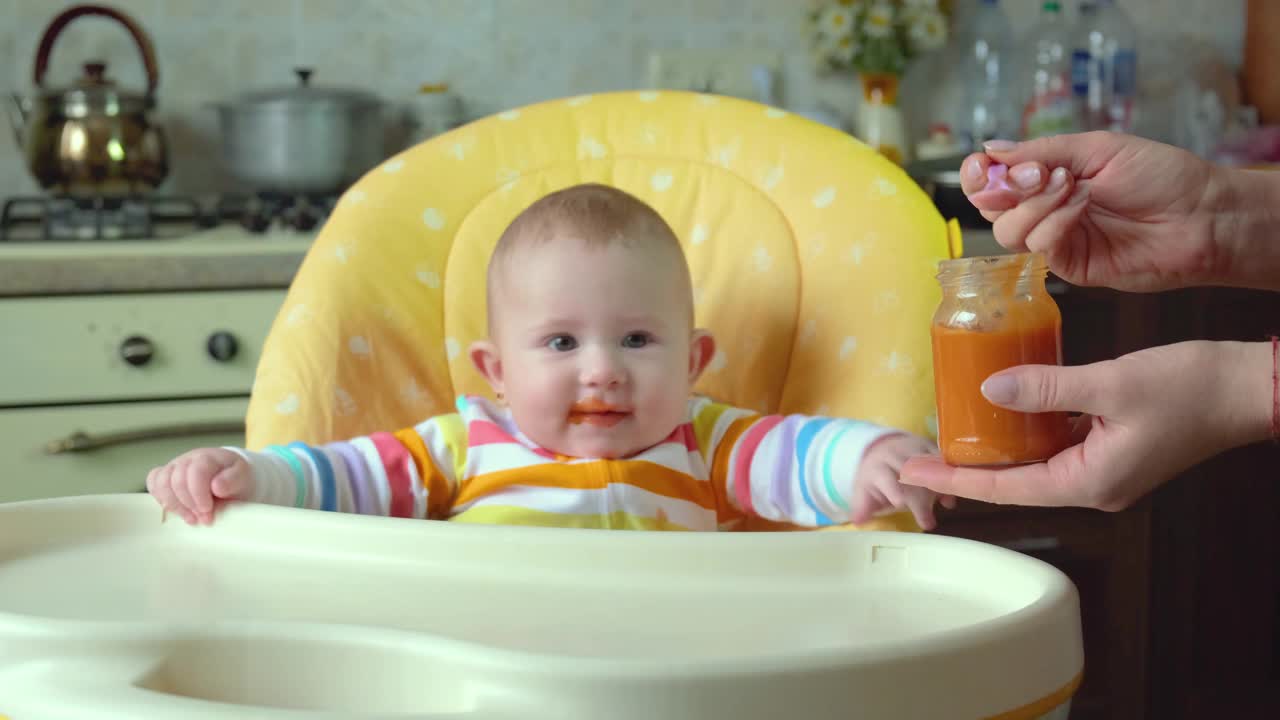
108, 447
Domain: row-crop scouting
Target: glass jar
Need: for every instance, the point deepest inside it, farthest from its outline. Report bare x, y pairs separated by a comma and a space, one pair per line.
995, 313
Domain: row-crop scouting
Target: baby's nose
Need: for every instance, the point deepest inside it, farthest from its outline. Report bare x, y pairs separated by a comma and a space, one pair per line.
601, 368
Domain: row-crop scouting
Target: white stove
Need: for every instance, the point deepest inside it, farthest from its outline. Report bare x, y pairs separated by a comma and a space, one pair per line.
132, 332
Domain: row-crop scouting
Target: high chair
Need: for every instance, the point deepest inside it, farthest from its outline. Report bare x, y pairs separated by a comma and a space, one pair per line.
812, 258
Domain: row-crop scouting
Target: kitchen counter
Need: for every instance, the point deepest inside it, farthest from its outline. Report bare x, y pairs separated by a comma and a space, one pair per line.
218, 259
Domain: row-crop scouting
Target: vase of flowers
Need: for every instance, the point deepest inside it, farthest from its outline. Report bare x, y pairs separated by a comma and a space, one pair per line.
877, 39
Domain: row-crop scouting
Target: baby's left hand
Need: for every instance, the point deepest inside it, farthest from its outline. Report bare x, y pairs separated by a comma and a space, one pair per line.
876, 488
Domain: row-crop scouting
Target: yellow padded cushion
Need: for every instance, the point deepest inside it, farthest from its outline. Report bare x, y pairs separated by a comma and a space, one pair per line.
812, 258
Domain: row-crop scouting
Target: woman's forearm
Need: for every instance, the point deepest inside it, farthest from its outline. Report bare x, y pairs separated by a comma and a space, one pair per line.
1246, 228
1244, 403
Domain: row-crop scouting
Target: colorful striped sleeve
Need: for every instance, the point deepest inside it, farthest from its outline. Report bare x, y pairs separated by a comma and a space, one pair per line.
408, 473
797, 469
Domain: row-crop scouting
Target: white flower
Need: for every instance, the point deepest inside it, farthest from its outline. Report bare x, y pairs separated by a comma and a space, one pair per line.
836, 21
879, 22
928, 30
831, 44
846, 49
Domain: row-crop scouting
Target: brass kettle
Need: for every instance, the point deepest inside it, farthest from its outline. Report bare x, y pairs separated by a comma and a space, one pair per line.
92, 138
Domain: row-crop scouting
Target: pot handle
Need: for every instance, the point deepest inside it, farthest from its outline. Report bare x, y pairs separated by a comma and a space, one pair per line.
140, 38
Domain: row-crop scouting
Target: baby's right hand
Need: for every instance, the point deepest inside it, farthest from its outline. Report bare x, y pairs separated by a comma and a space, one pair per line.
194, 483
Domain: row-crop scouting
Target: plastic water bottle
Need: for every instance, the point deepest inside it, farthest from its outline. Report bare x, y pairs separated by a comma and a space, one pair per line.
1104, 66
984, 45
1048, 107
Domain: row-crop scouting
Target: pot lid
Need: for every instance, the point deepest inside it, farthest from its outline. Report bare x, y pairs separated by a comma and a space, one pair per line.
93, 93
305, 92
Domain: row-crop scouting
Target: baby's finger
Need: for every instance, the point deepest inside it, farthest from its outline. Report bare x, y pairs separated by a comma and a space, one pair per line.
231, 483
199, 474
1013, 228
158, 486
864, 505
186, 505
165, 480
920, 502
892, 492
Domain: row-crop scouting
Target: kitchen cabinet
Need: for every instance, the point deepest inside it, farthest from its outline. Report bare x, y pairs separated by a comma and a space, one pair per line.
125, 440
119, 383
1180, 594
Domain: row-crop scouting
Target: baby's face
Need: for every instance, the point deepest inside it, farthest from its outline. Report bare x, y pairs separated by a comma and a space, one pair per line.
595, 346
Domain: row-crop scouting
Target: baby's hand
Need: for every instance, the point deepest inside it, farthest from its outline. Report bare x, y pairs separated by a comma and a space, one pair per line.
876, 488
194, 483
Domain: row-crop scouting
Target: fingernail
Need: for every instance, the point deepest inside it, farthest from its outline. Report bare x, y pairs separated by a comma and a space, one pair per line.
1057, 179
973, 169
1000, 389
999, 145
1026, 177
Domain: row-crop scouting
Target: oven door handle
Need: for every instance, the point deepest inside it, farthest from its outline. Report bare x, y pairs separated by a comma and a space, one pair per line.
80, 441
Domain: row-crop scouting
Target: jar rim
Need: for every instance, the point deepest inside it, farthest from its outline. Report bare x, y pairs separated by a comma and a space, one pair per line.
992, 264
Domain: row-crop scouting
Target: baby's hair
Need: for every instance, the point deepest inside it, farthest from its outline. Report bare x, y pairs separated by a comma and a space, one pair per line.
596, 215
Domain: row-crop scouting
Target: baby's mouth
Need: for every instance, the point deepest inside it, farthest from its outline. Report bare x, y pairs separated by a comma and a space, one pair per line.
595, 412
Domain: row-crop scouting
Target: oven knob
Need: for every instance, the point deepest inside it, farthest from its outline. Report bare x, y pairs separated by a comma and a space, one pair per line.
137, 350
255, 222
222, 346
305, 219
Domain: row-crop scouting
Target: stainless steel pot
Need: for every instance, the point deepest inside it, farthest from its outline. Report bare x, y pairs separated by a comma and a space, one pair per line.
92, 138
302, 139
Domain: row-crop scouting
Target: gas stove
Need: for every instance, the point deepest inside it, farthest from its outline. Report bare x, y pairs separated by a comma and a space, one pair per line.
156, 217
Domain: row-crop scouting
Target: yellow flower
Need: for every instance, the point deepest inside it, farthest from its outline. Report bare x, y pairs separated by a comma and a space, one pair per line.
879, 21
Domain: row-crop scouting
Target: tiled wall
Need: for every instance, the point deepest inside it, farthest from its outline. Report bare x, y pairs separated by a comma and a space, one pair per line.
497, 53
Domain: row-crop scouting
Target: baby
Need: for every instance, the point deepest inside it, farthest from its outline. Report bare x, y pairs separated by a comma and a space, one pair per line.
592, 356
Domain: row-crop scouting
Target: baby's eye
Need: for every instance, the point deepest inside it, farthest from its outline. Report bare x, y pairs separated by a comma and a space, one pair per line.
562, 343
636, 340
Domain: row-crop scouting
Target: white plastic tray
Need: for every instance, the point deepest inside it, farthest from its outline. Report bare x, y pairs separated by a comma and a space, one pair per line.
105, 612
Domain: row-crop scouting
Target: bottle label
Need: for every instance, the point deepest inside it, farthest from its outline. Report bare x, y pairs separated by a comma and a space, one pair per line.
1120, 71
1050, 113
1126, 72
1080, 61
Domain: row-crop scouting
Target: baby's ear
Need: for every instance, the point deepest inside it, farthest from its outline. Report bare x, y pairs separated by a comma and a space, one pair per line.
701, 349
485, 357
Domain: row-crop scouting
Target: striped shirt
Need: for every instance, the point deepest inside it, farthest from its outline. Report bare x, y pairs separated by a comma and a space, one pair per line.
476, 466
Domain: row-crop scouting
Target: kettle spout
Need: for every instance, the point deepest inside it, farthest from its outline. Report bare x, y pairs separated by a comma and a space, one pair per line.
19, 110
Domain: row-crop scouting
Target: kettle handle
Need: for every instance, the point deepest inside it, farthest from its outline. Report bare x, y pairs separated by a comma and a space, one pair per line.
56, 26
